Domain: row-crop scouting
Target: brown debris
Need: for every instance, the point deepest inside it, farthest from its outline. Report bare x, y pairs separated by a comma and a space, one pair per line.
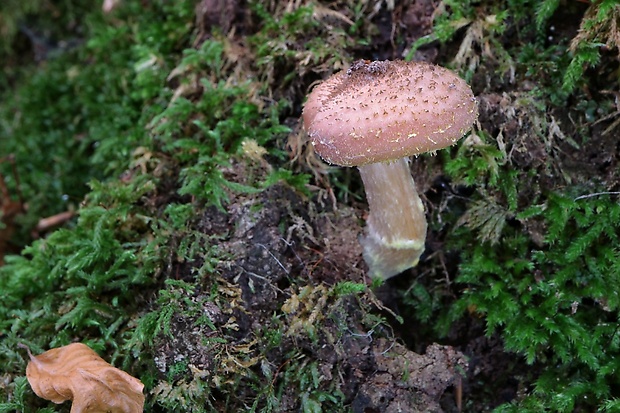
9, 208
75, 372
211, 14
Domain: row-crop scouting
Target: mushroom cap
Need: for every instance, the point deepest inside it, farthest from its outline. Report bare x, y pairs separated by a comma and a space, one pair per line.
385, 110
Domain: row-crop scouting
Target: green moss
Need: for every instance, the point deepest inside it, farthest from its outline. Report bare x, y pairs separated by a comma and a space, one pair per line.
535, 259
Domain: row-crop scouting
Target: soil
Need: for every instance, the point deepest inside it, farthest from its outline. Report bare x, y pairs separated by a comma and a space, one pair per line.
285, 249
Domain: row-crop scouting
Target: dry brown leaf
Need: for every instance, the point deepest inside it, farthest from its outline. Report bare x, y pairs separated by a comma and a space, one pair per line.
75, 372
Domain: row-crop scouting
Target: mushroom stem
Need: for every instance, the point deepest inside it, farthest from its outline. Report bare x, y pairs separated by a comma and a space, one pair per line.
396, 227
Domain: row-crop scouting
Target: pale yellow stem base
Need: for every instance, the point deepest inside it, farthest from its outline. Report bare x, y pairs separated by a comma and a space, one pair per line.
396, 227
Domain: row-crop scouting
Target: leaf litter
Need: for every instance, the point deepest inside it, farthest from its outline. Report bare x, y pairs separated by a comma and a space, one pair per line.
75, 372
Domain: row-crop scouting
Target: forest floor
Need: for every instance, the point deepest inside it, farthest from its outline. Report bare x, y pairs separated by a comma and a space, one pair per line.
204, 248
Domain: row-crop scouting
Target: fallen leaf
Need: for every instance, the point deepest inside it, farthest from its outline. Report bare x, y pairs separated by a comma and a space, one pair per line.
75, 372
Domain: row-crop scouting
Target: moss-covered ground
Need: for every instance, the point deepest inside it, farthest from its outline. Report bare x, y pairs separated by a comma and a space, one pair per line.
200, 245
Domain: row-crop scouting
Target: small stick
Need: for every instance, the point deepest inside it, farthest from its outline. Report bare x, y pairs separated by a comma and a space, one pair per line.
595, 194
55, 220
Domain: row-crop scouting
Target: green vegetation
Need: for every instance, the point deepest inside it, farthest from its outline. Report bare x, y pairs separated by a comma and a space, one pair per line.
156, 129
537, 242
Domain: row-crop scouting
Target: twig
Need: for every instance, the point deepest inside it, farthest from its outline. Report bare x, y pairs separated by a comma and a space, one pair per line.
595, 194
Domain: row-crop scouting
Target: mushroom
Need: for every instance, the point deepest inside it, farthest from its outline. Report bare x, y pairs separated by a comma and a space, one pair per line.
374, 116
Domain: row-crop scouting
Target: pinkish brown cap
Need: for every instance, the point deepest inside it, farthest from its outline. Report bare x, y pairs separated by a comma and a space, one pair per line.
381, 111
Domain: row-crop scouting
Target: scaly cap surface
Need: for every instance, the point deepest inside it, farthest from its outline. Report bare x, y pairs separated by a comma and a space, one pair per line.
383, 110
